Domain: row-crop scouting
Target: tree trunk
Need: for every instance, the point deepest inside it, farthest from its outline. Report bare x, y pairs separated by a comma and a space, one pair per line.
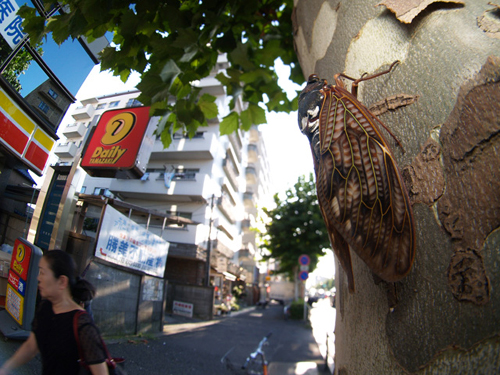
444, 317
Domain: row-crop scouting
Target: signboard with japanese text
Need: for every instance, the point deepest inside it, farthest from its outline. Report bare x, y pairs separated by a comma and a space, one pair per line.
122, 241
183, 309
10, 23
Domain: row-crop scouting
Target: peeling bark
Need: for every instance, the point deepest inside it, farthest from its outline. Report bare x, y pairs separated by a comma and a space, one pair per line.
489, 21
467, 277
470, 208
424, 178
407, 10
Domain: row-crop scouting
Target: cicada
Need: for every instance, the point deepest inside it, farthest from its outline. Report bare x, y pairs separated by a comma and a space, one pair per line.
360, 190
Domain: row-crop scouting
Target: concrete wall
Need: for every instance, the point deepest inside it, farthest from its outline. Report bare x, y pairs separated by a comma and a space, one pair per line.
116, 303
200, 296
184, 271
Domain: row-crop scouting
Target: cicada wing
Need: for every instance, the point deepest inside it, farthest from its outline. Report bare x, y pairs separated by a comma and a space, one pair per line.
339, 245
361, 187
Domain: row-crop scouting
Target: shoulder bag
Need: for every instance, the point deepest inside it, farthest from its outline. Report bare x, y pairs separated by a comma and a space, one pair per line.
111, 363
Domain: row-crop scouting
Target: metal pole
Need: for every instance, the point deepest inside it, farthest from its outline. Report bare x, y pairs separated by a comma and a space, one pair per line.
209, 244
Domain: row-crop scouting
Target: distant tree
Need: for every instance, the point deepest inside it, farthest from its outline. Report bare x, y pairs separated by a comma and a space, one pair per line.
18, 65
173, 44
296, 227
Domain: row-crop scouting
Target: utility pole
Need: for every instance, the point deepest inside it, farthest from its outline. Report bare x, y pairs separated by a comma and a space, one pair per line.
209, 244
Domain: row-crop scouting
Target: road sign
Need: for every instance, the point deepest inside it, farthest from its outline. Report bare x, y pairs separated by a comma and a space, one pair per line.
304, 260
304, 268
303, 275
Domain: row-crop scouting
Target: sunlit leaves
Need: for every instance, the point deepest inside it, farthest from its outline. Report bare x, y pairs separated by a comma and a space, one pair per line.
253, 115
208, 106
174, 44
229, 124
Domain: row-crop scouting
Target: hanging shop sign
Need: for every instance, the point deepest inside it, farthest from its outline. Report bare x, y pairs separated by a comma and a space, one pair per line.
121, 141
124, 242
22, 136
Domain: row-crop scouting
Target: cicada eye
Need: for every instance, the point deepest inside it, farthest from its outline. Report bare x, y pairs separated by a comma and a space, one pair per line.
313, 78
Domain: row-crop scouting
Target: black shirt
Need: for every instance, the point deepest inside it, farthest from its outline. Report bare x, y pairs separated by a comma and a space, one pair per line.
57, 344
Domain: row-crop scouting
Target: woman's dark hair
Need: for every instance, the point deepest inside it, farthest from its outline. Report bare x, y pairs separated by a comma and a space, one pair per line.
62, 264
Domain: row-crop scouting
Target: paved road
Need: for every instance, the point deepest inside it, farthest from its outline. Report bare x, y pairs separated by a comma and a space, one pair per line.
196, 348
187, 347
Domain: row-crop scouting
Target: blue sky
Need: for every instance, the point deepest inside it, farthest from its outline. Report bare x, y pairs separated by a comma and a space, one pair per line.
69, 62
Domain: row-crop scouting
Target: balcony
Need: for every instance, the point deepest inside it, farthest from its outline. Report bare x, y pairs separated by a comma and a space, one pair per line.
83, 113
89, 101
76, 130
245, 225
235, 139
224, 204
66, 150
249, 200
200, 148
228, 167
251, 175
253, 153
254, 135
153, 189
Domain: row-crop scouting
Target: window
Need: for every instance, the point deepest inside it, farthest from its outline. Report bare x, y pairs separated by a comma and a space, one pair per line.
185, 174
82, 191
185, 135
186, 215
43, 107
114, 104
134, 103
101, 106
98, 191
53, 94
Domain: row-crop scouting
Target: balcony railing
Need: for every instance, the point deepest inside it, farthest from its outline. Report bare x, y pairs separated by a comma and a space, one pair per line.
83, 113
76, 130
228, 167
253, 153
251, 175
226, 208
66, 150
249, 200
154, 188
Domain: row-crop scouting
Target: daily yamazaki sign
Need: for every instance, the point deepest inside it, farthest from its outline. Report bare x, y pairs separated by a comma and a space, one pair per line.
117, 139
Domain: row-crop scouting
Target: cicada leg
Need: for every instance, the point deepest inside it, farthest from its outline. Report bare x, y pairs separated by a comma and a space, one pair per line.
356, 81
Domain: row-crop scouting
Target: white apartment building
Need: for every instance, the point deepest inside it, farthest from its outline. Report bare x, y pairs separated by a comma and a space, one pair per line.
218, 181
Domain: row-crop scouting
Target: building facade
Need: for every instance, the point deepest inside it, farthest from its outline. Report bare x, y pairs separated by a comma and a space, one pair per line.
220, 182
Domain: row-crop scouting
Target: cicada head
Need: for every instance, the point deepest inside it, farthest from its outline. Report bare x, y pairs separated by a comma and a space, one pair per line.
310, 101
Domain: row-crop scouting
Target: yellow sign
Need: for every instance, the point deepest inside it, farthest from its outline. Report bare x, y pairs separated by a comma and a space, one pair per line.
15, 304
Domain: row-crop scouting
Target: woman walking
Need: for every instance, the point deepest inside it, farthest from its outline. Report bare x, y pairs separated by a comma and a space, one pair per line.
53, 327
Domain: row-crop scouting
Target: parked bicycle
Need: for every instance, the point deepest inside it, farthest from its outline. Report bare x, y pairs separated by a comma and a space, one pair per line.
256, 359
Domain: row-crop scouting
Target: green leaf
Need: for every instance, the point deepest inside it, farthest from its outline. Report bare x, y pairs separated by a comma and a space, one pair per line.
124, 74
253, 115
170, 72
208, 106
229, 124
